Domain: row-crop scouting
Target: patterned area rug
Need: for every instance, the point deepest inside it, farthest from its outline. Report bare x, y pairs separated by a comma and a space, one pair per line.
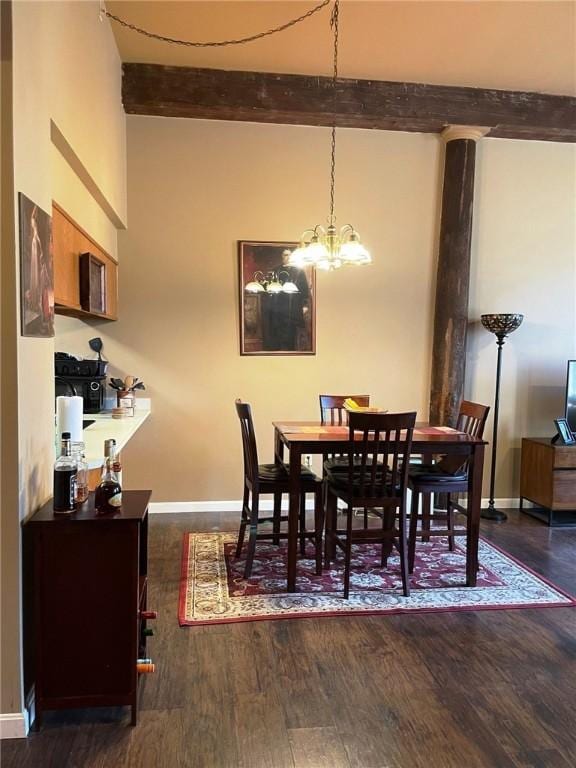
213, 590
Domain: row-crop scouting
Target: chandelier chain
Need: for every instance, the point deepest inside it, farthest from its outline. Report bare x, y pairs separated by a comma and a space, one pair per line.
334, 25
218, 43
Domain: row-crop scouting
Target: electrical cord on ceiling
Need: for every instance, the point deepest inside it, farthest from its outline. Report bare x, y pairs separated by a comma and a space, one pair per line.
213, 44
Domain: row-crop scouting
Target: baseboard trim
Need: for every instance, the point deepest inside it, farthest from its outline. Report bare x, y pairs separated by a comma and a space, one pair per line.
235, 505
266, 505
13, 725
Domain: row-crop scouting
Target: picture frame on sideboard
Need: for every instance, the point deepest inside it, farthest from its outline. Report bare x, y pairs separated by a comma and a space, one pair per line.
565, 436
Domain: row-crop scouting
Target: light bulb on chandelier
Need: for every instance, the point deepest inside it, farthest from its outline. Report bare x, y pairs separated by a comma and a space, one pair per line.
329, 248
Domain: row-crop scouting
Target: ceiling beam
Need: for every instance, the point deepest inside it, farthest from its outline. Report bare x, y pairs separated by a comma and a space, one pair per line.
262, 97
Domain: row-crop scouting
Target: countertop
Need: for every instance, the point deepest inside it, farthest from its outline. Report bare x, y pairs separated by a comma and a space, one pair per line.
106, 427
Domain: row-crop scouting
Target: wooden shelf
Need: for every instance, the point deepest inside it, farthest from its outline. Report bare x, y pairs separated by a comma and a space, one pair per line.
69, 241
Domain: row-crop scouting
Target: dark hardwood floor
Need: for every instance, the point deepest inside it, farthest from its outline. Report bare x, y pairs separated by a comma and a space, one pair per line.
491, 689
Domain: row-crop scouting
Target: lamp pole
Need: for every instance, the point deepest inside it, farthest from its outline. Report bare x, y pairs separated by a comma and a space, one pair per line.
501, 326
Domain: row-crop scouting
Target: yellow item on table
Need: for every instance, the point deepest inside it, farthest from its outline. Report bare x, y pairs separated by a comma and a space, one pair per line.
352, 405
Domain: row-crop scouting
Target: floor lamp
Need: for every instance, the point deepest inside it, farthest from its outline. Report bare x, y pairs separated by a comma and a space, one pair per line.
501, 326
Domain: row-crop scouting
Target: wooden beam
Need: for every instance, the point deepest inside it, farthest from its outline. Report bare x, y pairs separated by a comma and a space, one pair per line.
153, 89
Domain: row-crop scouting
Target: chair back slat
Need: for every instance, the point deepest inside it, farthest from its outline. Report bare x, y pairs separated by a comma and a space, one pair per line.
249, 450
471, 420
332, 409
380, 471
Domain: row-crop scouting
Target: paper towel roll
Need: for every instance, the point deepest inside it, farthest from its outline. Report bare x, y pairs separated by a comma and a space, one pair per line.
69, 414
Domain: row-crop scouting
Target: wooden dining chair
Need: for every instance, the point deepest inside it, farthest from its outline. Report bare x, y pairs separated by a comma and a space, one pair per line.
273, 479
333, 413
450, 476
332, 410
378, 458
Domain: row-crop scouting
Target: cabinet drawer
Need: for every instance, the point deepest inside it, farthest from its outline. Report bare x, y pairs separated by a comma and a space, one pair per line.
564, 489
565, 457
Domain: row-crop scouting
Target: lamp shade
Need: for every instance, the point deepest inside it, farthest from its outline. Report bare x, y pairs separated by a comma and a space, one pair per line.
503, 324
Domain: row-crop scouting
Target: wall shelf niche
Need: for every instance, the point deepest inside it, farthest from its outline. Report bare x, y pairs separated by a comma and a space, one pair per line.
70, 241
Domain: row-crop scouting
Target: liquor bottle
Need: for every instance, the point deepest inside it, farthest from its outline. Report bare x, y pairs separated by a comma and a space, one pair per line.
111, 452
116, 464
108, 496
81, 478
65, 472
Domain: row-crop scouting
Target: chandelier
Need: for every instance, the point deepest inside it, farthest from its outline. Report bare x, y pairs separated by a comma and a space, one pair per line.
330, 247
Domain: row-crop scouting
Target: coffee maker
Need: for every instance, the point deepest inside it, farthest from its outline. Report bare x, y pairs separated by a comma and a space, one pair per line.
86, 378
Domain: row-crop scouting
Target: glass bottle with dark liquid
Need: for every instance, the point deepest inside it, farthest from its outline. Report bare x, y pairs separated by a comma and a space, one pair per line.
108, 497
65, 473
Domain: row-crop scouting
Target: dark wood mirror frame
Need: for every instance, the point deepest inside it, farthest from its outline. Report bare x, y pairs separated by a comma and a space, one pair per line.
275, 323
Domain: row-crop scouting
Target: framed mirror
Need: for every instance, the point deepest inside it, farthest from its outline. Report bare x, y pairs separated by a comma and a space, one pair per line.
277, 301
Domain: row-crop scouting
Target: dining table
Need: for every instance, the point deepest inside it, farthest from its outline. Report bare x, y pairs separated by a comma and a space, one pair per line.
302, 438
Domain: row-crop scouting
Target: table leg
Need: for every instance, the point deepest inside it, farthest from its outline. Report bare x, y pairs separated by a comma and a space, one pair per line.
278, 448
293, 506
473, 514
426, 501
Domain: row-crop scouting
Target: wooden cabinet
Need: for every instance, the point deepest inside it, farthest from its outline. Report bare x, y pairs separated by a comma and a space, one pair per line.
548, 479
85, 587
69, 242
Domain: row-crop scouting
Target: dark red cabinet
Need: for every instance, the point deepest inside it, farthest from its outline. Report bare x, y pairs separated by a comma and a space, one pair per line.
85, 586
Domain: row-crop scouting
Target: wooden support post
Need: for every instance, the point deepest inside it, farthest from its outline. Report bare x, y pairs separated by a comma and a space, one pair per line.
453, 278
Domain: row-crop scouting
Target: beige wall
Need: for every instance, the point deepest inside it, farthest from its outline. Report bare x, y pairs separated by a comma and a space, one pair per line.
195, 187
66, 69
9, 520
524, 249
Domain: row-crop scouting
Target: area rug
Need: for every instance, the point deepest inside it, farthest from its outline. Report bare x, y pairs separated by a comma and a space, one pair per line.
213, 590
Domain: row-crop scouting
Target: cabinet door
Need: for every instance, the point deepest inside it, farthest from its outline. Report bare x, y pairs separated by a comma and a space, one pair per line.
88, 592
66, 262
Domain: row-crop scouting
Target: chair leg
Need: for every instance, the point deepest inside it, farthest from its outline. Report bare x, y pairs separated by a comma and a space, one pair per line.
413, 530
403, 555
426, 504
318, 527
276, 521
387, 523
331, 524
302, 524
450, 522
243, 522
252, 538
348, 555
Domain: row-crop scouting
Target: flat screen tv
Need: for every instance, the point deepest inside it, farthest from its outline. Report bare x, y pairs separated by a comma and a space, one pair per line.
571, 395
